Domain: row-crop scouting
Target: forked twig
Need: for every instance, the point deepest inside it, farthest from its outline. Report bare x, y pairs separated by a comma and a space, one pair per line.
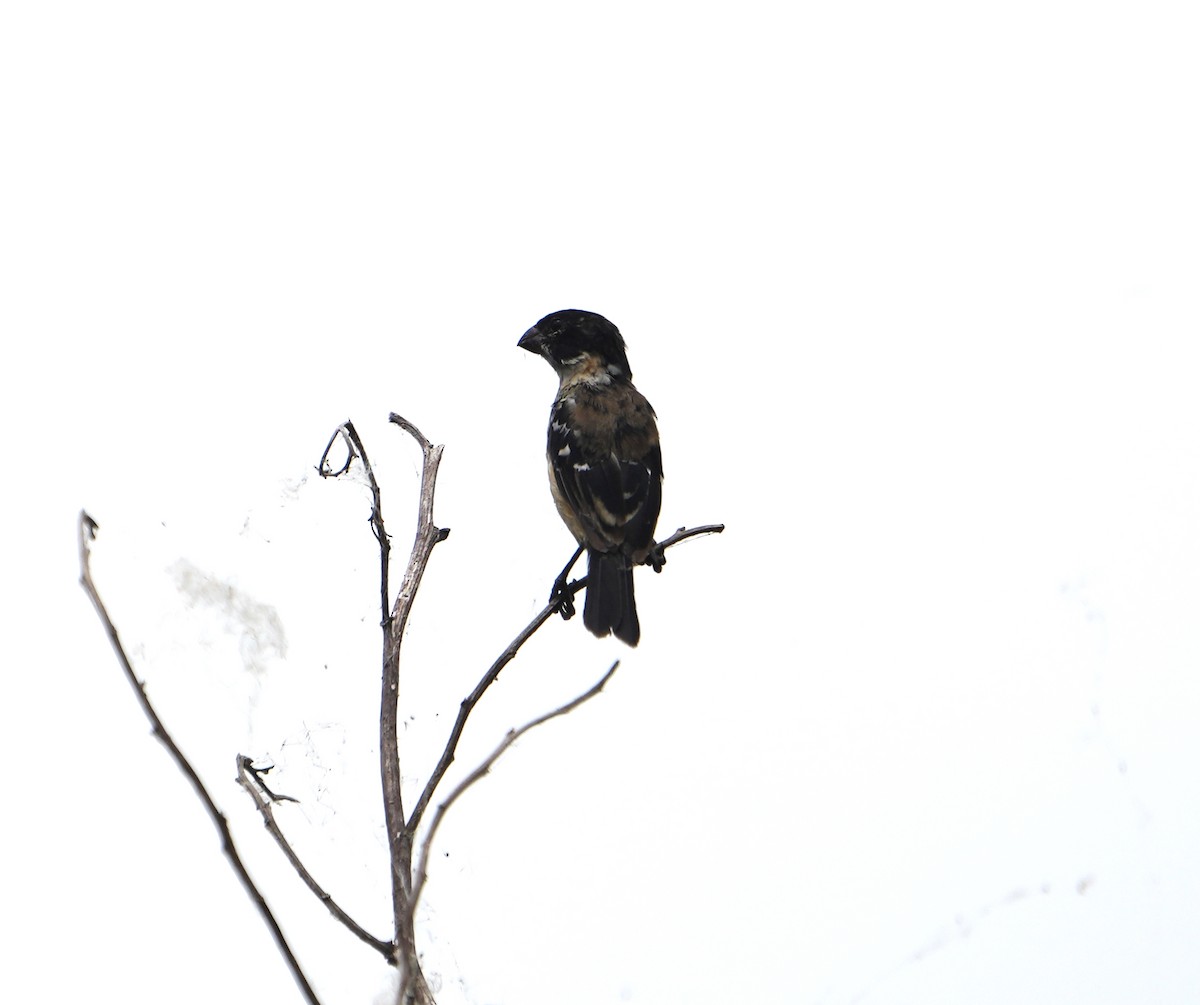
87, 533
393, 622
249, 779
467, 705
485, 766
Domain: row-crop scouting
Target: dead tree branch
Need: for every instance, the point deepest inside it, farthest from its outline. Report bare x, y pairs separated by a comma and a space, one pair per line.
87, 533
407, 883
485, 766
400, 837
489, 678
249, 778
355, 448
402, 831
393, 622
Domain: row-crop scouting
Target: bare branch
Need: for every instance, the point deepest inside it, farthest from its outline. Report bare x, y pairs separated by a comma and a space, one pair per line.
683, 533
412, 430
510, 738
323, 468
400, 838
468, 704
407, 884
470, 701
393, 622
427, 536
355, 448
87, 533
249, 779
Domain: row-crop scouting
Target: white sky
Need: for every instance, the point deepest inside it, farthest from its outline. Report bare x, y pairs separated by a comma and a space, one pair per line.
914, 291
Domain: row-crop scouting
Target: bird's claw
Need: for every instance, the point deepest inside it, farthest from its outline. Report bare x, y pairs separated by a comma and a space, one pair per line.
656, 557
562, 598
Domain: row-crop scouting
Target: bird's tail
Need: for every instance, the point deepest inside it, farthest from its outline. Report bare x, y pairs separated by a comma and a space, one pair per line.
608, 606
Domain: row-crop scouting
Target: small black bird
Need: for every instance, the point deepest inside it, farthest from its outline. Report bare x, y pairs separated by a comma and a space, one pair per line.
604, 459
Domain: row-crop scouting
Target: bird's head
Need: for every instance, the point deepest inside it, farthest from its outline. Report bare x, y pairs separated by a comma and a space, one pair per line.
571, 340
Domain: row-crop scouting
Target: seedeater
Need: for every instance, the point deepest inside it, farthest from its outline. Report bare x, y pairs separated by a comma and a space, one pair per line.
604, 460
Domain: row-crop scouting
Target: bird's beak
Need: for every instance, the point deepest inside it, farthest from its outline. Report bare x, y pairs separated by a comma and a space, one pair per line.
533, 340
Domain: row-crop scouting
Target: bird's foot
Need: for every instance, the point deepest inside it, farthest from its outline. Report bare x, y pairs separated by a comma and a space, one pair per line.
563, 598
656, 557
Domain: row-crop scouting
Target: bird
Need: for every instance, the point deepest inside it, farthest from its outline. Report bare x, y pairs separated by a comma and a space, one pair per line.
604, 460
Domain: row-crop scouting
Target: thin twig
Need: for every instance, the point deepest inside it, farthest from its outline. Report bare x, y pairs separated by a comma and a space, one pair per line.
249, 779
510, 738
470, 701
412, 430
683, 533
87, 533
355, 448
323, 468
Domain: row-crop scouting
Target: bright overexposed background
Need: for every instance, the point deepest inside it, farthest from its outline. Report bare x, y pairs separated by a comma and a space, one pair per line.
913, 288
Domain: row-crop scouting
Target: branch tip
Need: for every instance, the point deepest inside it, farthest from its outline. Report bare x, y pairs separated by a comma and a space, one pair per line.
87, 530
485, 766
250, 779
